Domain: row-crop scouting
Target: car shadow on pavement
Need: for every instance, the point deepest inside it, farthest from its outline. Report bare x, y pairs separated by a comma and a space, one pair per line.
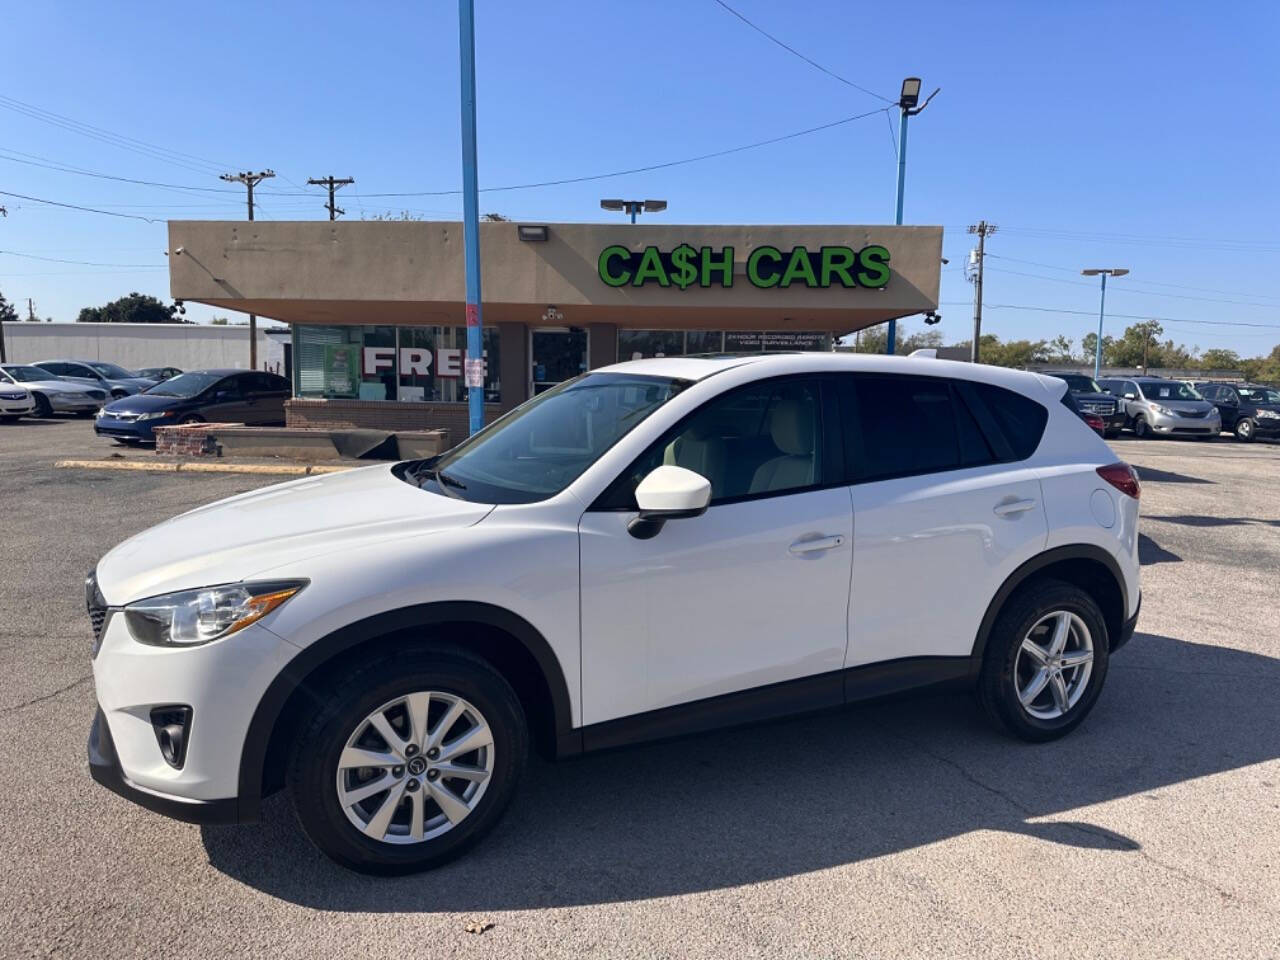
760, 803
1152, 475
1200, 520
1150, 552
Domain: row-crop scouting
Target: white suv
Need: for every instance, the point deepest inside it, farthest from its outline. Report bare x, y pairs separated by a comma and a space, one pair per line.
652, 549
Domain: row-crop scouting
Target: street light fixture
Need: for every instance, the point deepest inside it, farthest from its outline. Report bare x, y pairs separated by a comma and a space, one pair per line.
634, 207
908, 105
1103, 272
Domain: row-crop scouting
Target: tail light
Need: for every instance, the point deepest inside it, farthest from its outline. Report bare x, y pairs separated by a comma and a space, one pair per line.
1123, 477
1095, 422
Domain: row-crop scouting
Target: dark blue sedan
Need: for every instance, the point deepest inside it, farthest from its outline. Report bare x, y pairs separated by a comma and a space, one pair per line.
216, 396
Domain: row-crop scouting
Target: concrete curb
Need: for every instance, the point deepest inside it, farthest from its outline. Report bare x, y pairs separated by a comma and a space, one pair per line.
282, 470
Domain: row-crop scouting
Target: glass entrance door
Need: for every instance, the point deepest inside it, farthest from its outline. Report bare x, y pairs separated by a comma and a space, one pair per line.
557, 354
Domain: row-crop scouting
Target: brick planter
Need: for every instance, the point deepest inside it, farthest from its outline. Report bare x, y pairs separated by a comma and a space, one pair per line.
189, 440
383, 414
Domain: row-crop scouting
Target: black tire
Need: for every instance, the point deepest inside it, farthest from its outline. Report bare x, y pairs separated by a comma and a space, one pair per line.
191, 418
1141, 429
313, 763
118, 394
9, 418
86, 414
997, 687
1245, 430
1111, 433
43, 407
127, 441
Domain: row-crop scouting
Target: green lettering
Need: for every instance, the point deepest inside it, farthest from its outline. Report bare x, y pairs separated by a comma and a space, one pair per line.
799, 267
724, 266
837, 261
873, 266
650, 269
753, 266
607, 255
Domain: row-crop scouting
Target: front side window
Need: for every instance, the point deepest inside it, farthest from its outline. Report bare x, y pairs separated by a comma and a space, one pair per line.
111, 370
760, 440
1259, 395
546, 443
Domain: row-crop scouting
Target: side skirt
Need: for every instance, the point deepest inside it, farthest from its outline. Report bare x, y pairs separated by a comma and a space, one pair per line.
824, 692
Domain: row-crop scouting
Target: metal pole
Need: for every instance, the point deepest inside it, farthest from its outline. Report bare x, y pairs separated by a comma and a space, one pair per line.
977, 293
471, 213
897, 216
1097, 352
633, 213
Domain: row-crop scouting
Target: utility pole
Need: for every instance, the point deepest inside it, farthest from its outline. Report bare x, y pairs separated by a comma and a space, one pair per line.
334, 184
250, 180
474, 365
31, 310
3, 356
983, 230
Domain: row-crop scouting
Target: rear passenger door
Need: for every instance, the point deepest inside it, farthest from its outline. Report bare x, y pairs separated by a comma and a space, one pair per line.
945, 507
266, 396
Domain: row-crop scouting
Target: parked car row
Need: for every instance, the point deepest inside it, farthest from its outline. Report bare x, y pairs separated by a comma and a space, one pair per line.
1156, 406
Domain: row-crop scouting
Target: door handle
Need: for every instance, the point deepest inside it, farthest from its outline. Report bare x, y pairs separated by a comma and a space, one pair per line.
816, 544
1013, 507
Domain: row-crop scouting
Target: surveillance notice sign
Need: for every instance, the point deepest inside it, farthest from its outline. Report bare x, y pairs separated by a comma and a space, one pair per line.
474, 372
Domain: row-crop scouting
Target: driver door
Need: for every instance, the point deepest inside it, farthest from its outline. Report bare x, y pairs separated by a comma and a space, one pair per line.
226, 403
752, 593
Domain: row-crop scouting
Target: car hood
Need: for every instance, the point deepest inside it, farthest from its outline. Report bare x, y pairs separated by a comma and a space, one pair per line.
140, 383
1087, 395
143, 403
254, 532
1186, 406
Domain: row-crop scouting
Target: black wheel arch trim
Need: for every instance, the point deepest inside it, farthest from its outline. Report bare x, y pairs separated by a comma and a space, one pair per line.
258, 736
1075, 551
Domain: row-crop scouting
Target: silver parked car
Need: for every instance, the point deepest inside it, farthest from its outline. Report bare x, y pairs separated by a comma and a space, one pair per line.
116, 380
1158, 407
54, 394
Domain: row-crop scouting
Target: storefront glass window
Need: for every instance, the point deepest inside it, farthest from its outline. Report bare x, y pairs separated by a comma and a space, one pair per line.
703, 341
640, 344
390, 363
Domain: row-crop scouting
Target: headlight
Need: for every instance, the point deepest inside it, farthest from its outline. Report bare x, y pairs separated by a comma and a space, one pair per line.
198, 616
1161, 410
155, 415
102, 412
1267, 415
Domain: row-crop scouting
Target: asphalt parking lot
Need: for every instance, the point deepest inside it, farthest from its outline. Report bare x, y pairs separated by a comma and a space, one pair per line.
897, 829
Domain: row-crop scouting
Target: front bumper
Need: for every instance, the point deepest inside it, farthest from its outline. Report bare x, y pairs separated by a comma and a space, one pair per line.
1266, 427
104, 767
1184, 426
223, 683
109, 426
16, 408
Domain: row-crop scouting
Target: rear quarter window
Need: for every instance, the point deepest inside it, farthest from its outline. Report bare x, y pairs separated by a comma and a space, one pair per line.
1020, 419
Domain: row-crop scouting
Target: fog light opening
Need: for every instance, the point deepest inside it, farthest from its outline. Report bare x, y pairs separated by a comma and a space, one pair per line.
172, 728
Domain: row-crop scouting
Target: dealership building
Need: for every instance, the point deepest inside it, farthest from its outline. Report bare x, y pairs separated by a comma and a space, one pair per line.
377, 313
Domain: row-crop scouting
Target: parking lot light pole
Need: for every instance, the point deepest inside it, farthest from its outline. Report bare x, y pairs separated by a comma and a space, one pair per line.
474, 377
1103, 272
907, 105
634, 207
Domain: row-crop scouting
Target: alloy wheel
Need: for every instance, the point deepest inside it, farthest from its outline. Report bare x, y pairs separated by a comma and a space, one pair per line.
1244, 430
415, 768
1052, 668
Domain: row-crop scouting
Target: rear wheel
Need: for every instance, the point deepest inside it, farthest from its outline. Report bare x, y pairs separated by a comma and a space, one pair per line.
1244, 430
1045, 662
410, 761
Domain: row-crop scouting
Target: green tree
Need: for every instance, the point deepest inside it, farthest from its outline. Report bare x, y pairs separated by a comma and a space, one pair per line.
7, 313
1263, 369
1219, 358
1062, 350
1089, 347
1138, 347
220, 321
135, 308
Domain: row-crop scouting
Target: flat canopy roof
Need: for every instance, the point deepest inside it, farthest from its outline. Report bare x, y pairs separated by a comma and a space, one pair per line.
836, 278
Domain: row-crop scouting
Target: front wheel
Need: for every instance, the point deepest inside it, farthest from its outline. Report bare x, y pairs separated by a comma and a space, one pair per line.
1141, 429
44, 408
1045, 661
410, 761
1244, 430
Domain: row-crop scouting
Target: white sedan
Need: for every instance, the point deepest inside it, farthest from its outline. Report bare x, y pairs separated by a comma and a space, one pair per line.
15, 401
51, 394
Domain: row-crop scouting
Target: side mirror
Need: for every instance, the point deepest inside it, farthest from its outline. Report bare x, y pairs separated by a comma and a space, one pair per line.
1131, 396
668, 493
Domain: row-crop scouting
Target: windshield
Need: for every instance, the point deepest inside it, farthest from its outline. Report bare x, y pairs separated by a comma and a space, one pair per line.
545, 444
1167, 390
1258, 394
184, 385
110, 370
1079, 383
28, 374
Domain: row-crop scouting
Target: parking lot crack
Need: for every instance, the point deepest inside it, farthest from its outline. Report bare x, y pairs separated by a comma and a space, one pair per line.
48, 696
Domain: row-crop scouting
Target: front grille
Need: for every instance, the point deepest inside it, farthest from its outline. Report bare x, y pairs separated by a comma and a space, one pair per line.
1193, 414
1103, 408
125, 417
13, 396
96, 604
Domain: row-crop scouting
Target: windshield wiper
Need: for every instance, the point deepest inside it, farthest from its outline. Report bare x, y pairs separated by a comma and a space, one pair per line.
447, 480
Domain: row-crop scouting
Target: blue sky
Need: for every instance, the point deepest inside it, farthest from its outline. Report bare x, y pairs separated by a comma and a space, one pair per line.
1142, 135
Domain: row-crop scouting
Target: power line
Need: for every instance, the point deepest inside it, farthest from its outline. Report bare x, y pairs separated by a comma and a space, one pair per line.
83, 263
75, 206
67, 168
176, 157
1124, 289
1123, 316
334, 184
792, 50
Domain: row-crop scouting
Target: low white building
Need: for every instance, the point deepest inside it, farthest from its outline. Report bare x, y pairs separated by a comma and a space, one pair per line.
187, 346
